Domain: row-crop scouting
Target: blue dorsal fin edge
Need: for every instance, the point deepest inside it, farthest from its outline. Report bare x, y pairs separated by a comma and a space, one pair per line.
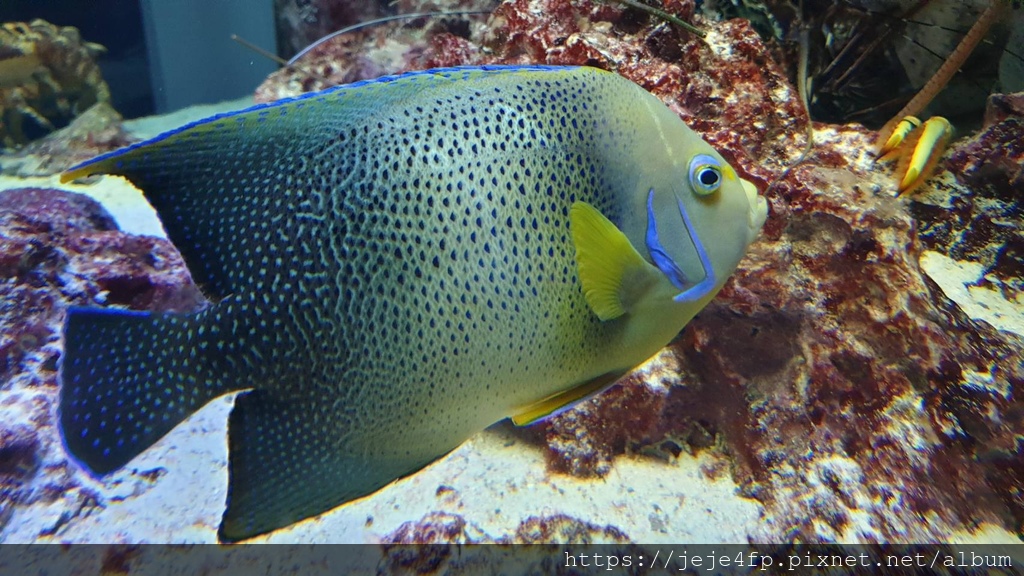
449, 71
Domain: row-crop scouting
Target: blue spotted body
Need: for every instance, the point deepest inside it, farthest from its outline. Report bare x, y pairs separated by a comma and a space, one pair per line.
396, 264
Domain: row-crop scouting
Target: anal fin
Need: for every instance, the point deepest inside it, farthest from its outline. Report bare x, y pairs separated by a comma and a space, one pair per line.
562, 400
292, 458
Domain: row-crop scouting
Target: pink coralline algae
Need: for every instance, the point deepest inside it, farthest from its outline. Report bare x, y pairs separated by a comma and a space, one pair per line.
61, 249
365, 53
418, 547
848, 394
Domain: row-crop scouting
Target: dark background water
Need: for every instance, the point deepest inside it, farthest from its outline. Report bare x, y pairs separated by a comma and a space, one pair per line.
163, 55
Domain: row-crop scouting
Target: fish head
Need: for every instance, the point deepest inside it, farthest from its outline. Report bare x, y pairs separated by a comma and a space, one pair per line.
701, 218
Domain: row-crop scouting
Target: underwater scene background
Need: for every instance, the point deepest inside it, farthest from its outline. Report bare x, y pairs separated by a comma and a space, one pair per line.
856, 380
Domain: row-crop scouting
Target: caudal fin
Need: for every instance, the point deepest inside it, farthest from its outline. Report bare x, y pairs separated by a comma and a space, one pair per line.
127, 378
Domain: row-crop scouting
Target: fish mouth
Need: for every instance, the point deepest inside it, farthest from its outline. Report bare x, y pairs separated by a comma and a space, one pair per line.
758, 212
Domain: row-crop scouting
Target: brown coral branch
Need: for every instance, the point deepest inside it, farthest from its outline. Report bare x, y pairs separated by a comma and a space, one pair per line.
945, 72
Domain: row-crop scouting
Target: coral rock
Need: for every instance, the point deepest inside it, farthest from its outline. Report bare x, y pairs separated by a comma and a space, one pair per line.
41, 211
96, 131
985, 217
564, 529
18, 453
51, 76
436, 528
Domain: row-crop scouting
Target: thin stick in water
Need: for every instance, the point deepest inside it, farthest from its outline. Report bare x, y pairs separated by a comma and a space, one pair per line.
945, 72
258, 50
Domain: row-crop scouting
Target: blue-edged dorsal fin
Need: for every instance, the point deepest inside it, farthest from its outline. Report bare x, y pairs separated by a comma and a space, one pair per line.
217, 183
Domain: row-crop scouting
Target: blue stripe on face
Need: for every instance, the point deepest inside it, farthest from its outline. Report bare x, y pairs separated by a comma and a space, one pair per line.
705, 286
661, 259
668, 266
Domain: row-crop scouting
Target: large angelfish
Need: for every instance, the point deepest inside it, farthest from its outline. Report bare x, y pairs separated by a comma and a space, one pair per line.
397, 264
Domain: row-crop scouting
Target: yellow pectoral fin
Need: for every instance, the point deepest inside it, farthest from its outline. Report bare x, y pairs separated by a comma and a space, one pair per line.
604, 259
552, 404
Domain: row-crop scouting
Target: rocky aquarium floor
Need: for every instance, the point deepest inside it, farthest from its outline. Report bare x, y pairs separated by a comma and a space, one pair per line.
858, 380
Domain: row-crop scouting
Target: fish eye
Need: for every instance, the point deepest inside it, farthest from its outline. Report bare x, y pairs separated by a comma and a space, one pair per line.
705, 174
